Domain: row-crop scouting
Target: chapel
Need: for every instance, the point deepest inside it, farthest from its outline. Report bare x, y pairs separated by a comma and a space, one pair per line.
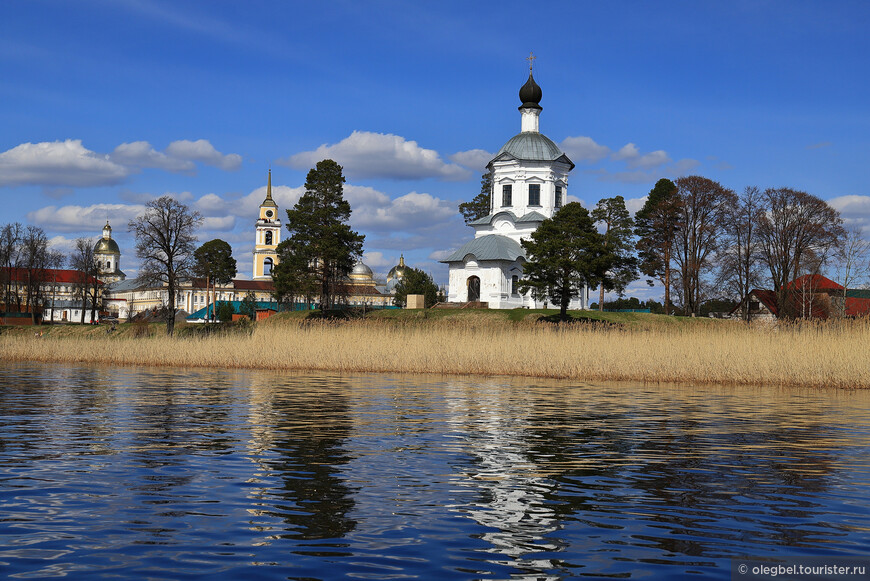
529, 185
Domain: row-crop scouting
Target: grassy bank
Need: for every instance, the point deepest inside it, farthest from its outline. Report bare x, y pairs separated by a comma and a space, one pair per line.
620, 346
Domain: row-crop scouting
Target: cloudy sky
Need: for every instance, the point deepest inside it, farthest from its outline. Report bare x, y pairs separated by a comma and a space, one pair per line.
106, 104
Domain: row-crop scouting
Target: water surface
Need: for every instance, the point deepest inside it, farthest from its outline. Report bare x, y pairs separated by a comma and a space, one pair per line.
167, 474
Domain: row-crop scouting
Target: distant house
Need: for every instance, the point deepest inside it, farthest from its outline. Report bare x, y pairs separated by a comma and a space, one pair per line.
811, 296
59, 298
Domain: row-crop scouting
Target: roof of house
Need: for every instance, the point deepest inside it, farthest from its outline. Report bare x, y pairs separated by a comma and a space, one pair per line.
858, 293
814, 283
489, 247
856, 307
808, 304
58, 275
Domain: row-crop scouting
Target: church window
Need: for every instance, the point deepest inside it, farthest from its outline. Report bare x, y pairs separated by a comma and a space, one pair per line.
515, 280
534, 194
268, 238
506, 194
558, 196
267, 267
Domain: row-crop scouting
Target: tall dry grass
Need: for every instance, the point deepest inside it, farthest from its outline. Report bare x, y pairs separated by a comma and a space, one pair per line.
830, 354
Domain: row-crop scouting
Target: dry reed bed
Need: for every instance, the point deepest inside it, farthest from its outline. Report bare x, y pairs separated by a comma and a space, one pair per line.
810, 355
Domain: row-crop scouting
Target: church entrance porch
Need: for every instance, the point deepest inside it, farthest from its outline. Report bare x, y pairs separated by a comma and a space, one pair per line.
473, 289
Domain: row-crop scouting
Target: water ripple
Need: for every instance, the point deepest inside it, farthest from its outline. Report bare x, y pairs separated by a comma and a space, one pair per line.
174, 473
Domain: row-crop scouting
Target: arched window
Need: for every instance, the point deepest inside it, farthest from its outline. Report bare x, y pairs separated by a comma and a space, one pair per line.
268, 238
267, 265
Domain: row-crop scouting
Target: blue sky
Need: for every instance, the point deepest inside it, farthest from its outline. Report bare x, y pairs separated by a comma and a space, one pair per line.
106, 104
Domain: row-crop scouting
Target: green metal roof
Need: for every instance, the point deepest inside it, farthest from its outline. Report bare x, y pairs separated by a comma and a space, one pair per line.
530, 217
531, 145
490, 247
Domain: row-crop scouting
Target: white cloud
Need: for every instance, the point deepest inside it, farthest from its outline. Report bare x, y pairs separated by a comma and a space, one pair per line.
475, 159
219, 223
82, 218
58, 163
211, 205
441, 254
650, 160
377, 260
635, 204
67, 164
855, 209
630, 154
203, 151
583, 149
141, 154
404, 214
626, 152
379, 155
249, 206
62, 243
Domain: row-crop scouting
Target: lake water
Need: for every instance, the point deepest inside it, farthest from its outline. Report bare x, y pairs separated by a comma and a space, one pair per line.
169, 474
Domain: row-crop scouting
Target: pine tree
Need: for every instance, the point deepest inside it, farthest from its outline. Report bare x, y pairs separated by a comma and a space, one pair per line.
481, 204
618, 235
565, 254
322, 248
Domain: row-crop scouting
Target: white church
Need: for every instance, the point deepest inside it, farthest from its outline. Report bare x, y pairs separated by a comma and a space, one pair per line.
529, 184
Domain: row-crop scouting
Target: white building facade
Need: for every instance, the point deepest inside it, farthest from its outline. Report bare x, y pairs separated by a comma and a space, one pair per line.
529, 184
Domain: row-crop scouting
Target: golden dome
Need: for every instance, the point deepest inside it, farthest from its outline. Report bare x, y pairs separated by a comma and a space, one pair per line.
398, 271
106, 245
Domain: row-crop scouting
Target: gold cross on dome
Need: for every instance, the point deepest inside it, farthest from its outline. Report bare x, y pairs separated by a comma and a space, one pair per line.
531, 59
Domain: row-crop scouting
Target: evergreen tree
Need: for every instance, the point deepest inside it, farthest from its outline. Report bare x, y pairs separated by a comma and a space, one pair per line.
215, 263
416, 282
481, 204
565, 253
322, 248
612, 214
656, 228
249, 305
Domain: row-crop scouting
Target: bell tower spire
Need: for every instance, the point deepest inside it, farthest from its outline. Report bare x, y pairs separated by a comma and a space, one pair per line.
268, 235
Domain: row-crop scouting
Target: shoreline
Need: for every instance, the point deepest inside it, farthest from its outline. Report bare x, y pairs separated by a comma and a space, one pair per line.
820, 355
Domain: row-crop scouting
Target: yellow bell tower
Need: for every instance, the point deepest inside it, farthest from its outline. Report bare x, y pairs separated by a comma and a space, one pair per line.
268, 235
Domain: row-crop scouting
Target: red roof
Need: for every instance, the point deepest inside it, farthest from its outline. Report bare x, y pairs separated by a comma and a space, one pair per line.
810, 305
814, 283
856, 307
254, 285
58, 275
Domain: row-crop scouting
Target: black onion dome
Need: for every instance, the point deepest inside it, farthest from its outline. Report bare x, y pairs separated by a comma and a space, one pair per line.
530, 94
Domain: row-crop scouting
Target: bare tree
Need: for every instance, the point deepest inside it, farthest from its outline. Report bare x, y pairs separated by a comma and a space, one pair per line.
797, 232
82, 260
699, 228
34, 259
10, 260
56, 260
166, 241
852, 260
739, 255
